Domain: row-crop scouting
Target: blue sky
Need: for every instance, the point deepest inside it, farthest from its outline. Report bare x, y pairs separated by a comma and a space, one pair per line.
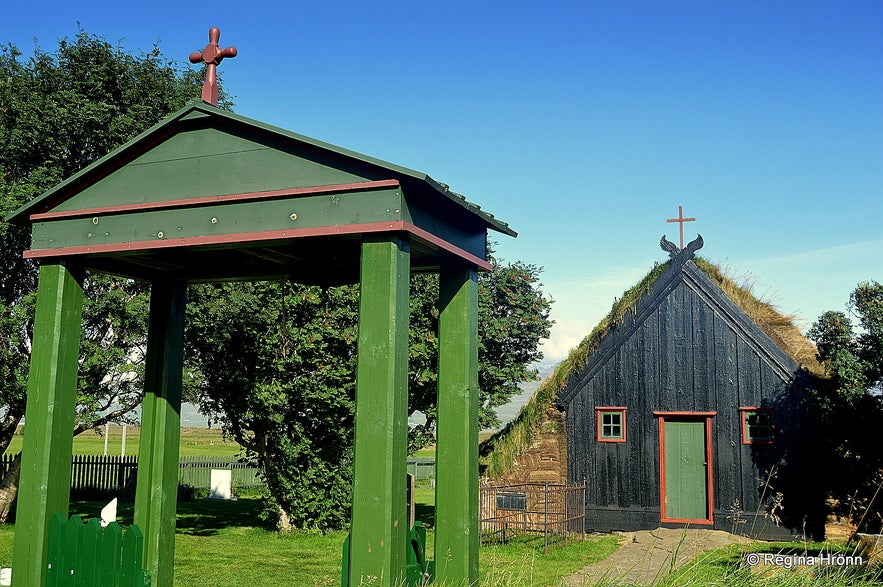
582, 124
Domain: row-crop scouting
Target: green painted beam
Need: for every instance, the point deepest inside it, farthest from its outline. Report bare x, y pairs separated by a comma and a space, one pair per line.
379, 518
157, 488
456, 467
44, 485
230, 218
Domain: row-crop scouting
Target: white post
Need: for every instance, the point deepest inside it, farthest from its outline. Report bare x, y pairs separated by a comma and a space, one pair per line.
106, 435
123, 447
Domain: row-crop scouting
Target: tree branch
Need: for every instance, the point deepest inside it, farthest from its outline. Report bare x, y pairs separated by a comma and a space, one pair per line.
109, 417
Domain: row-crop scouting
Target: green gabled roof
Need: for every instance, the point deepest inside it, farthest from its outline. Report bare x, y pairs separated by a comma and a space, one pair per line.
200, 111
498, 453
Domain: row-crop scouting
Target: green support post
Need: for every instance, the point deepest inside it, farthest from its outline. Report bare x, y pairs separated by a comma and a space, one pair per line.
157, 488
378, 541
456, 467
45, 482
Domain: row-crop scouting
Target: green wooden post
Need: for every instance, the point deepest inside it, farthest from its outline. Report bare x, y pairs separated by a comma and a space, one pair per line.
44, 486
456, 468
379, 517
157, 489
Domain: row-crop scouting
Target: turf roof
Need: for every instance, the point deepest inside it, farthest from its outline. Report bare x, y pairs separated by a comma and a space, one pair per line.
498, 453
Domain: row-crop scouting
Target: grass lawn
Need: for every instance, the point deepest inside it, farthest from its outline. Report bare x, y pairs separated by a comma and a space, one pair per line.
223, 543
523, 563
728, 566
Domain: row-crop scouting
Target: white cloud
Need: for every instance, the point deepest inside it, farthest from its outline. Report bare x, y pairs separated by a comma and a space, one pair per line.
580, 303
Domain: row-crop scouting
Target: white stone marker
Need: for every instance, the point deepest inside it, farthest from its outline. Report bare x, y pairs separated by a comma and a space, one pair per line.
109, 513
222, 484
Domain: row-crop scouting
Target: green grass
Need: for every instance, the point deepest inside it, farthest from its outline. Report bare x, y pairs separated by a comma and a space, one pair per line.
521, 562
728, 567
223, 543
195, 442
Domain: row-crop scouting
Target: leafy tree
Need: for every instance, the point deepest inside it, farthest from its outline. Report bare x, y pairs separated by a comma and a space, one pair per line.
513, 317
58, 113
276, 363
850, 406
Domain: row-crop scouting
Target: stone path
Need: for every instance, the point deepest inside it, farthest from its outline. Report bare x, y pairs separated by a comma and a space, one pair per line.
644, 557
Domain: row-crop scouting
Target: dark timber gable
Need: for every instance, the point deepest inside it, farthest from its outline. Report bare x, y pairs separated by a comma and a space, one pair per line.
686, 360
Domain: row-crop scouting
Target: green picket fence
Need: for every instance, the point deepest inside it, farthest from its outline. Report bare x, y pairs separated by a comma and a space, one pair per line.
87, 555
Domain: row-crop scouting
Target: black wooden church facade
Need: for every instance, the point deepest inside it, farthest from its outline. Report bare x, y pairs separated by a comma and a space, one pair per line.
687, 412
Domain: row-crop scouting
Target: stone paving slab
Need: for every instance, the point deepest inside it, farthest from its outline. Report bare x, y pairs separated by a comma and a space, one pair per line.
645, 557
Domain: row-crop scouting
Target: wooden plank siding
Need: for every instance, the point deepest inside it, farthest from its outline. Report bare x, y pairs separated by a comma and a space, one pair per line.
686, 348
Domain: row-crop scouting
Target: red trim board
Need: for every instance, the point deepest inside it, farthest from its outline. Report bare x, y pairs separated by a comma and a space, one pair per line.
370, 227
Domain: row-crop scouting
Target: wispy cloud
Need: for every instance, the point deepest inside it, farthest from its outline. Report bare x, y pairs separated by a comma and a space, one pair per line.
849, 253
581, 302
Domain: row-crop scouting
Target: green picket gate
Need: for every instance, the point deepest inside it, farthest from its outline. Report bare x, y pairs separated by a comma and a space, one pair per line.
89, 555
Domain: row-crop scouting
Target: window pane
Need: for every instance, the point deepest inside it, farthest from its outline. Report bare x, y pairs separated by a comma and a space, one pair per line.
758, 426
611, 425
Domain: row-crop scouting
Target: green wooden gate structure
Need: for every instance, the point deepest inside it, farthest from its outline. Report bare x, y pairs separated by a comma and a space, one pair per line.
89, 555
208, 195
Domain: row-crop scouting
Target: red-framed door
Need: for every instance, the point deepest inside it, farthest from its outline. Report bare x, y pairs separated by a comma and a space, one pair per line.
686, 485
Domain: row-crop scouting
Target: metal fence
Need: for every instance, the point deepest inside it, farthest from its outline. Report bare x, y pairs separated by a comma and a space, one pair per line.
555, 511
422, 468
197, 472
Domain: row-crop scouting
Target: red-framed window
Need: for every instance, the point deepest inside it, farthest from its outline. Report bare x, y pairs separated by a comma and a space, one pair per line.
611, 423
757, 425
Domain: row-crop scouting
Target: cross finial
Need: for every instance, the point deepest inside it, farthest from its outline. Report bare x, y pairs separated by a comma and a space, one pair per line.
680, 220
212, 56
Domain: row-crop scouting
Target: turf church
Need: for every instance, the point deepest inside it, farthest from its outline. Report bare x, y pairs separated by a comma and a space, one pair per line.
684, 408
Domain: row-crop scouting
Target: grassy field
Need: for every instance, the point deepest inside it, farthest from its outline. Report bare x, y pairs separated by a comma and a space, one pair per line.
195, 442
223, 543
727, 566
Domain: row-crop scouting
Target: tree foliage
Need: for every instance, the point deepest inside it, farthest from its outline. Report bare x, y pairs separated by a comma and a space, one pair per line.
276, 363
275, 360
58, 113
850, 406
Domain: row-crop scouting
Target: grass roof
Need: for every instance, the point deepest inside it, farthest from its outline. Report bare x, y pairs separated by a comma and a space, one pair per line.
498, 453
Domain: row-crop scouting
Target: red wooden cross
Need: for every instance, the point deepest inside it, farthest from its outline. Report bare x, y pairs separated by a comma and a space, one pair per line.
212, 56
680, 220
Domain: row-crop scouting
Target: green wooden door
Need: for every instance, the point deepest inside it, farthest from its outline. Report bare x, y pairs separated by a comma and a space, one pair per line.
686, 473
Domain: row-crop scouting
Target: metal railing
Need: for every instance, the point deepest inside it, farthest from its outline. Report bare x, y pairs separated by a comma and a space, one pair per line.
555, 511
